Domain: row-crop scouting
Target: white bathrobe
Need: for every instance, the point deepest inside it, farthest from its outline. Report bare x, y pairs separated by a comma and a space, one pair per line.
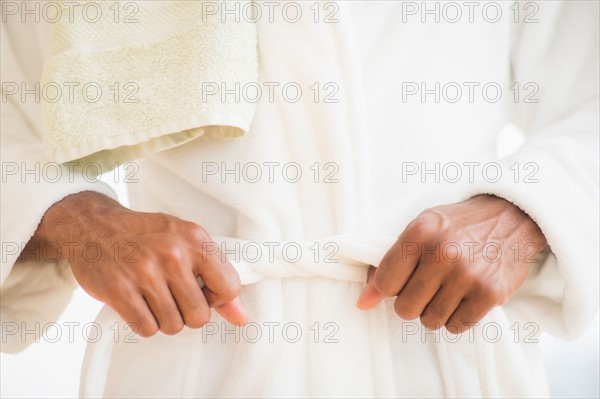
365, 145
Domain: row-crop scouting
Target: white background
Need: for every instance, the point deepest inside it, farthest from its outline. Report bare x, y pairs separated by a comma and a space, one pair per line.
51, 369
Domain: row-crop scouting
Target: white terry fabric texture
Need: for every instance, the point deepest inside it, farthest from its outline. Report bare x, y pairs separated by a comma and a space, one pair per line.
369, 134
149, 79
31, 292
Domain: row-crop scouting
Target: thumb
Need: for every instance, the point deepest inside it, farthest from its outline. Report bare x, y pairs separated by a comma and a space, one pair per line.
234, 312
370, 297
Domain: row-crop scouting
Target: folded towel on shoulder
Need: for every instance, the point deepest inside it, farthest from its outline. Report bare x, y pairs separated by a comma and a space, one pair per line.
131, 78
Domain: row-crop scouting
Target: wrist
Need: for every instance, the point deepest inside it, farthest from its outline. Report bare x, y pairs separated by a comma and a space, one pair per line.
529, 231
64, 222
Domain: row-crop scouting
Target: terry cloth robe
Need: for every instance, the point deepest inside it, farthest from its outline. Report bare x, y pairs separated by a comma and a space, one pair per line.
307, 338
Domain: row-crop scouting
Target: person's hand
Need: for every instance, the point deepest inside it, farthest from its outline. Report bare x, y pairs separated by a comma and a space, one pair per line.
144, 265
454, 263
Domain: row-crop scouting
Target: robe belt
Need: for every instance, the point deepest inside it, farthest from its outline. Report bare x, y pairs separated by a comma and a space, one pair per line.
343, 258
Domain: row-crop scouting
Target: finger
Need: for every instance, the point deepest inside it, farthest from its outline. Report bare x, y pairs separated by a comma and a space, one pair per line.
370, 296
397, 265
163, 306
442, 306
467, 315
221, 279
234, 312
421, 287
190, 300
132, 308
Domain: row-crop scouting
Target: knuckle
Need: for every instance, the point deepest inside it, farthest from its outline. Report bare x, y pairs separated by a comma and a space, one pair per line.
147, 333
197, 233
454, 327
403, 311
385, 285
172, 327
146, 329
432, 314
426, 225
431, 322
418, 229
172, 251
137, 321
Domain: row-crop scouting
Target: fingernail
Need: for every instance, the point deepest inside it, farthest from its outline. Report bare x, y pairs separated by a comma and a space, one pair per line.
362, 301
242, 313
369, 298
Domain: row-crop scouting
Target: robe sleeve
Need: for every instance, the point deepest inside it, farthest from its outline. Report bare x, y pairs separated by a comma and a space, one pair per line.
558, 163
33, 293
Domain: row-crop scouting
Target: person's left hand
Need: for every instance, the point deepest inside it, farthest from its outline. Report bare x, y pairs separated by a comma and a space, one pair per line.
454, 263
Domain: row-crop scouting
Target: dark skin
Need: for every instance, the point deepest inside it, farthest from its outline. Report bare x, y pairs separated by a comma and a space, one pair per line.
441, 271
151, 282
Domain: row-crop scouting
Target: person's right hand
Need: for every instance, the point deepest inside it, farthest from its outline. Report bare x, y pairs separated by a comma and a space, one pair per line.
147, 263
